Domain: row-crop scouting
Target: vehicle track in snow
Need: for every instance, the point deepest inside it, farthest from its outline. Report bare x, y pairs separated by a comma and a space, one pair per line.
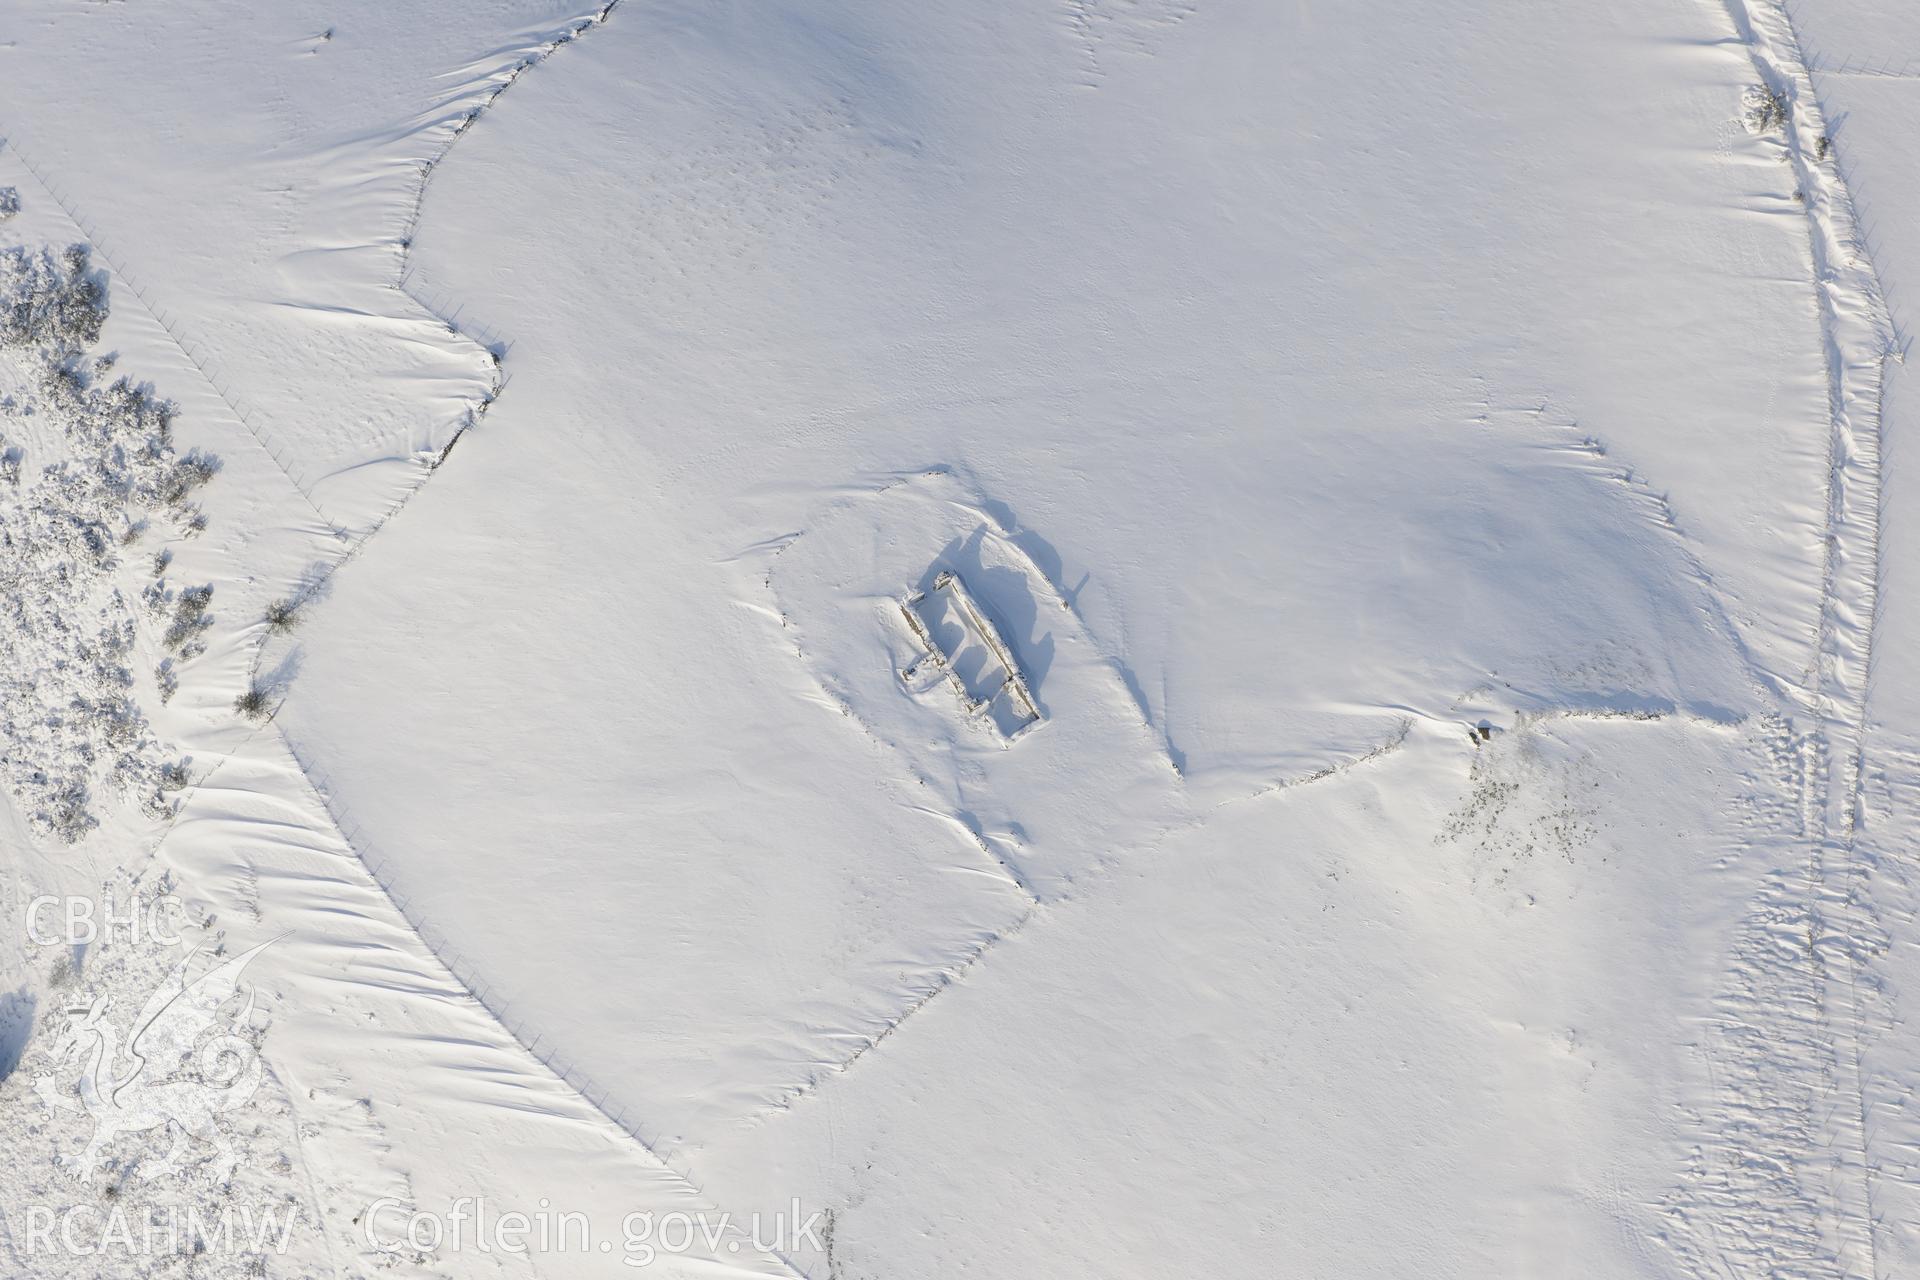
1826, 906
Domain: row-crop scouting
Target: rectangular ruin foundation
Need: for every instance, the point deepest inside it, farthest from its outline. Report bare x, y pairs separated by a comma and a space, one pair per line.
961, 644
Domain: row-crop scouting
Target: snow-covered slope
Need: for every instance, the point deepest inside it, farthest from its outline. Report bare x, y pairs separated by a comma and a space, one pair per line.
1422, 465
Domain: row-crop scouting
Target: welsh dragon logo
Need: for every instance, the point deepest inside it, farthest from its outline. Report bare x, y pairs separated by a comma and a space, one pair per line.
167, 1073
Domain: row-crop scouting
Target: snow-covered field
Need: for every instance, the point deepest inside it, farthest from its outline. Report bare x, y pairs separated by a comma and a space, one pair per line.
842, 640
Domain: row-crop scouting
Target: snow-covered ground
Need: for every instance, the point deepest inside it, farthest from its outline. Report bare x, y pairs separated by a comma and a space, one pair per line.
1132, 637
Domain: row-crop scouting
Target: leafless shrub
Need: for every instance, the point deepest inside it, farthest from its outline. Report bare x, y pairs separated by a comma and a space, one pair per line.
1766, 109
283, 616
190, 620
69, 817
186, 475
110, 466
54, 301
255, 703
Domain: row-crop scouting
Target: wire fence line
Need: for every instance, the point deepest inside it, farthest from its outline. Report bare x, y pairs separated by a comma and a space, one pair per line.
171, 327
244, 414
435, 305
460, 968
1885, 68
468, 976
405, 282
